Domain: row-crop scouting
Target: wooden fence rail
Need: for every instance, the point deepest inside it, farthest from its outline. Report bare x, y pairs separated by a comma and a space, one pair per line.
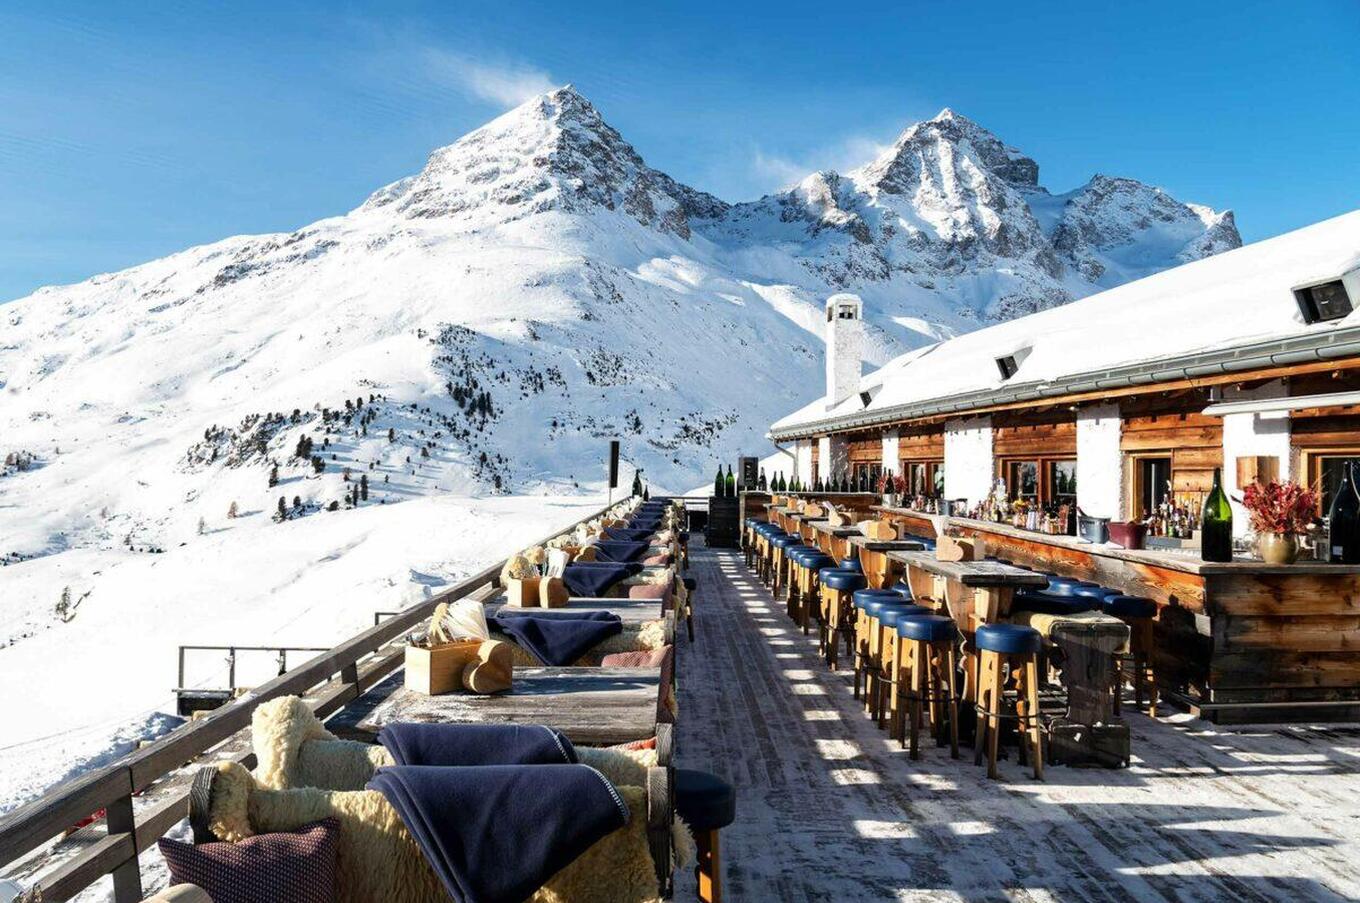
346, 671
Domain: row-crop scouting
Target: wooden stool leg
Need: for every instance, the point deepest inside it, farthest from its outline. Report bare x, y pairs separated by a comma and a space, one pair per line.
1034, 728
708, 868
994, 695
951, 683
917, 680
896, 725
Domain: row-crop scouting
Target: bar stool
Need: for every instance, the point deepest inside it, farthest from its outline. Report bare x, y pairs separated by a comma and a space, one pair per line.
806, 567
883, 645
684, 549
707, 804
1004, 647
767, 548
865, 604
778, 562
837, 587
793, 555
1138, 613
1067, 586
926, 653
751, 541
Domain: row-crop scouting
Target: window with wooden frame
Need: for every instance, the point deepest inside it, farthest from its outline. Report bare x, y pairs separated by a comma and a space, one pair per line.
924, 476
1040, 480
1149, 482
1323, 468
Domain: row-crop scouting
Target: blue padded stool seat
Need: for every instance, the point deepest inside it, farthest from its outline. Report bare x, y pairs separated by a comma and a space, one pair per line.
818, 561
1012, 639
902, 587
892, 613
1064, 586
690, 583
684, 536
797, 549
764, 527
851, 564
842, 579
1094, 592
865, 596
784, 540
703, 800
1049, 603
1128, 607
927, 628
873, 607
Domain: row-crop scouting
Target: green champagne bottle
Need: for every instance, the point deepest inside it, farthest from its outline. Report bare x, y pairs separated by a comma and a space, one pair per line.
731, 483
1216, 525
718, 483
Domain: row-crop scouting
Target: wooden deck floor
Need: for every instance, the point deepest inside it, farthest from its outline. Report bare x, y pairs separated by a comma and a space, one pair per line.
829, 809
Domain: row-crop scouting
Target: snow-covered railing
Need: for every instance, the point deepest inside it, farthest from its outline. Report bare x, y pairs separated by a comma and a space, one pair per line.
329, 681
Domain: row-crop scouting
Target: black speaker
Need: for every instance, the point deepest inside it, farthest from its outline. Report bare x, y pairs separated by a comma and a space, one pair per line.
750, 471
613, 464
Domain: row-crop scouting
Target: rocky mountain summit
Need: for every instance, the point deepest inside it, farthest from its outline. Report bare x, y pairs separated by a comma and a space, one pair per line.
486, 324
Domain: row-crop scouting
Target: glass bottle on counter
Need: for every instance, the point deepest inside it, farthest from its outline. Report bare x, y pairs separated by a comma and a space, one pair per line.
760, 483
731, 483
1344, 520
719, 485
1217, 543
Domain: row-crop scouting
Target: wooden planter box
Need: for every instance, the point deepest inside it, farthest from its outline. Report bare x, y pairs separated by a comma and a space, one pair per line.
439, 669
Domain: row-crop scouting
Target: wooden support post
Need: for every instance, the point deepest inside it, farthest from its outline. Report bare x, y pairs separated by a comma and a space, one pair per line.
127, 877
708, 868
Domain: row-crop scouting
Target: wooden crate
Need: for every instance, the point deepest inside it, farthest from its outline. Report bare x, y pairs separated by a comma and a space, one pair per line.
439, 669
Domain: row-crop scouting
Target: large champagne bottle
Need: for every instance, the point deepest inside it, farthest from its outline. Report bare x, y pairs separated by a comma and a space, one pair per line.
762, 485
718, 483
1217, 523
1344, 519
731, 483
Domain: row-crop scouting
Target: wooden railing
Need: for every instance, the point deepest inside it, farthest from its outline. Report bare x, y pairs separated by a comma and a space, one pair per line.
331, 680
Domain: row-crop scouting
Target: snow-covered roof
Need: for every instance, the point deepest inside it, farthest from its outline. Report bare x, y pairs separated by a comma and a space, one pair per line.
1140, 332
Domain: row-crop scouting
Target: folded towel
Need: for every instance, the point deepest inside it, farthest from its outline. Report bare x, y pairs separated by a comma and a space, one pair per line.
496, 833
559, 637
594, 578
413, 743
624, 534
644, 522
620, 551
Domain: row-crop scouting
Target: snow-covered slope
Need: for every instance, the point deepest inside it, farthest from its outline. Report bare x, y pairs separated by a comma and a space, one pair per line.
486, 326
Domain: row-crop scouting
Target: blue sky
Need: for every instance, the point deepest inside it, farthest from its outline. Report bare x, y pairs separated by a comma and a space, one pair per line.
128, 131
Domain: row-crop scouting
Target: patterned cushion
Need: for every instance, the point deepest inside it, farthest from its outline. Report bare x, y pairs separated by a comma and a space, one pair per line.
292, 865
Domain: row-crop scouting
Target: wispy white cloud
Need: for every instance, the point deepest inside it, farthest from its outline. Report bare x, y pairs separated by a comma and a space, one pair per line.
780, 170
505, 83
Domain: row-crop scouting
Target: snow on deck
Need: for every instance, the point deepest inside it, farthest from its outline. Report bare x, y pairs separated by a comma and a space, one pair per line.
829, 809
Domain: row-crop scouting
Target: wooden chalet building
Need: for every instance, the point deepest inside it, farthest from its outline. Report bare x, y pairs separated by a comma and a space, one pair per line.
1124, 402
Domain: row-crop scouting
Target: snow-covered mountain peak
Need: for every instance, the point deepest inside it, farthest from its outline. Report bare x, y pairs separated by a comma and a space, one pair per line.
553, 152
949, 135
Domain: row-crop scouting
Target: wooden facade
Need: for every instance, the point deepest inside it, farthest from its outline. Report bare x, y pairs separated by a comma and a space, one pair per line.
1244, 641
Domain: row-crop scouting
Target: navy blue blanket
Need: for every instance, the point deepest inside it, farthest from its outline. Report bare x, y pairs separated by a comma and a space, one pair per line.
607, 550
496, 833
626, 534
651, 524
558, 637
594, 578
414, 743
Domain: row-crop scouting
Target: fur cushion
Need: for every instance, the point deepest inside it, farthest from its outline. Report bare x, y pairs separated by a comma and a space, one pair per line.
649, 591
295, 865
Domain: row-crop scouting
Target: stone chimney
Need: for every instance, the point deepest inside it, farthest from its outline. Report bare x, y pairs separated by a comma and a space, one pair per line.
844, 346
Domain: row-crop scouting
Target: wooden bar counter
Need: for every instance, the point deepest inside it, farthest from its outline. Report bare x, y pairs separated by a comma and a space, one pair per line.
1239, 641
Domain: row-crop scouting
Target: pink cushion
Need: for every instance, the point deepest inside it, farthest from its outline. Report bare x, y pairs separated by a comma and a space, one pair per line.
289, 865
649, 591
643, 658
657, 560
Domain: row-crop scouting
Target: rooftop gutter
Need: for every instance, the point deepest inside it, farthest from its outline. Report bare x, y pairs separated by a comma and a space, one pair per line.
1332, 345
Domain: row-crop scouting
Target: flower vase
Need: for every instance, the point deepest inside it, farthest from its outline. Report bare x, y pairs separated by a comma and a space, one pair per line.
1278, 548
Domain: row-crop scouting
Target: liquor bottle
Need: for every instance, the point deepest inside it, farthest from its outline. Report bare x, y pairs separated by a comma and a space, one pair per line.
1217, 542
719, 485
1344, 519
731, 483
783, 486
761, 484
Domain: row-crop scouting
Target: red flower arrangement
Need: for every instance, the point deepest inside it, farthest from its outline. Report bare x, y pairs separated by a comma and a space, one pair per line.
1279, 507
885, 482
900, 484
